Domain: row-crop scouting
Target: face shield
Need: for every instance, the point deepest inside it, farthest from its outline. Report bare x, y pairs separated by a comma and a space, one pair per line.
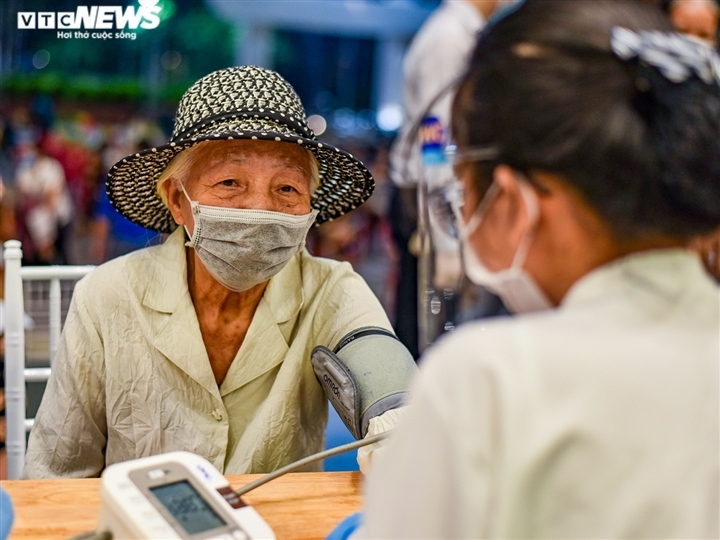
440, 273
445, 202
445, 296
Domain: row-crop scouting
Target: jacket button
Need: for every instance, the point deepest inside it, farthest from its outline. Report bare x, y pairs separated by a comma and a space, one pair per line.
217, 415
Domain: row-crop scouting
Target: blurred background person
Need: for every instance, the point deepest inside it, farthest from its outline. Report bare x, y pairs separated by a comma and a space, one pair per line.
434, 60
112, 234
708, 247
45, 208
589, 155
698, 18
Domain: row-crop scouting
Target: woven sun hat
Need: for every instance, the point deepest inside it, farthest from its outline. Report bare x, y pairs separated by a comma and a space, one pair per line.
237, 103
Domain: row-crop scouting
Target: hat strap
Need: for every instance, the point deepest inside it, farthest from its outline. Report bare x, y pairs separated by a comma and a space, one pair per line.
281, 118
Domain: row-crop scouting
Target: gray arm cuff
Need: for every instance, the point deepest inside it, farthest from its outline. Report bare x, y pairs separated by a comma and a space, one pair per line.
366, 375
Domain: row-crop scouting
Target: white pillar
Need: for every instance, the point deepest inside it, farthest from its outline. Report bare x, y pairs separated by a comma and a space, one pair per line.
388, 87
14, 360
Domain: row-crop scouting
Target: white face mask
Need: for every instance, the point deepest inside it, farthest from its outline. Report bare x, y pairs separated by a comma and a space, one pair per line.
514, 285
242, 248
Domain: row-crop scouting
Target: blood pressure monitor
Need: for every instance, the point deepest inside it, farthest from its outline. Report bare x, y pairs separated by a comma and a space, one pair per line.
177, 495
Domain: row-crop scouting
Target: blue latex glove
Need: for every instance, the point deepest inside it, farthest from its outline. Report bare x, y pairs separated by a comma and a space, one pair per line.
6, 515
346, 527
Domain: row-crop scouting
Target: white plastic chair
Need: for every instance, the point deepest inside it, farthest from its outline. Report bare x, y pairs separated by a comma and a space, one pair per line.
16, 374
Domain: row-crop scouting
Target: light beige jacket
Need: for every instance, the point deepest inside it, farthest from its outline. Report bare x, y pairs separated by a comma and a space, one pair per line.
132, 377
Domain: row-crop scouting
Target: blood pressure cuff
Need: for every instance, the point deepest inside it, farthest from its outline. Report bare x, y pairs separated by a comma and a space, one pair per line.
366, 375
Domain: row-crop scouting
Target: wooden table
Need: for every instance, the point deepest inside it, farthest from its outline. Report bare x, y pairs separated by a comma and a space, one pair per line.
298, 505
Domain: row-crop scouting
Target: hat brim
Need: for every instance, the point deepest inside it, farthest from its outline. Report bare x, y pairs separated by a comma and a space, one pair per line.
345, 183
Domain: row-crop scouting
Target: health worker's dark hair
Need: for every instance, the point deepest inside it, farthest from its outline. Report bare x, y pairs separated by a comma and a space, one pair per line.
545, 88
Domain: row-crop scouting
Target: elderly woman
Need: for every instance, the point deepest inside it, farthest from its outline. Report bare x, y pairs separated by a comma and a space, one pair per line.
215, 342
588, 152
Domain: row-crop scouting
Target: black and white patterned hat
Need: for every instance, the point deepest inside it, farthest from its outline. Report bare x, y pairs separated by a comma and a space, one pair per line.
237, 103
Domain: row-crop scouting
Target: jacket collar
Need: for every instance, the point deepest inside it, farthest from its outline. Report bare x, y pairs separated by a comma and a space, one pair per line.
168, 283
283, 295
168, 296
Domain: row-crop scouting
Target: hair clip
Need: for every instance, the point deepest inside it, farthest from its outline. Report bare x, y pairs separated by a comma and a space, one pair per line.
675, 56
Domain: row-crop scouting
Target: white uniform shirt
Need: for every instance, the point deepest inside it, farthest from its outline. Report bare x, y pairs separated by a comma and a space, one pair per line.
596, 420
436, 58
132, 377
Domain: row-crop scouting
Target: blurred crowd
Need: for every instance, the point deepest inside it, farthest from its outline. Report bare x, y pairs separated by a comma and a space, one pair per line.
52, 171
52, 192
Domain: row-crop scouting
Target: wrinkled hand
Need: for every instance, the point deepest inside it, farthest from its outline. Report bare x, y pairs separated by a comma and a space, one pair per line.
708, 247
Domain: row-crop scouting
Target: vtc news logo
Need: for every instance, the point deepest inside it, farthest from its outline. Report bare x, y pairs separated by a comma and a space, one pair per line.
93, 17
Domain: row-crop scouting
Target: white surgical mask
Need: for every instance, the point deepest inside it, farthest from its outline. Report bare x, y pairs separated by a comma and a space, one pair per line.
514, 285
242, 248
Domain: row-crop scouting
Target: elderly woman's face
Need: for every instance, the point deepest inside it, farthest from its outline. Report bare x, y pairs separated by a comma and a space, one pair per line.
258, 175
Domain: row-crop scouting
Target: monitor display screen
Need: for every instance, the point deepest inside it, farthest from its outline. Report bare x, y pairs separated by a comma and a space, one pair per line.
186, 505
